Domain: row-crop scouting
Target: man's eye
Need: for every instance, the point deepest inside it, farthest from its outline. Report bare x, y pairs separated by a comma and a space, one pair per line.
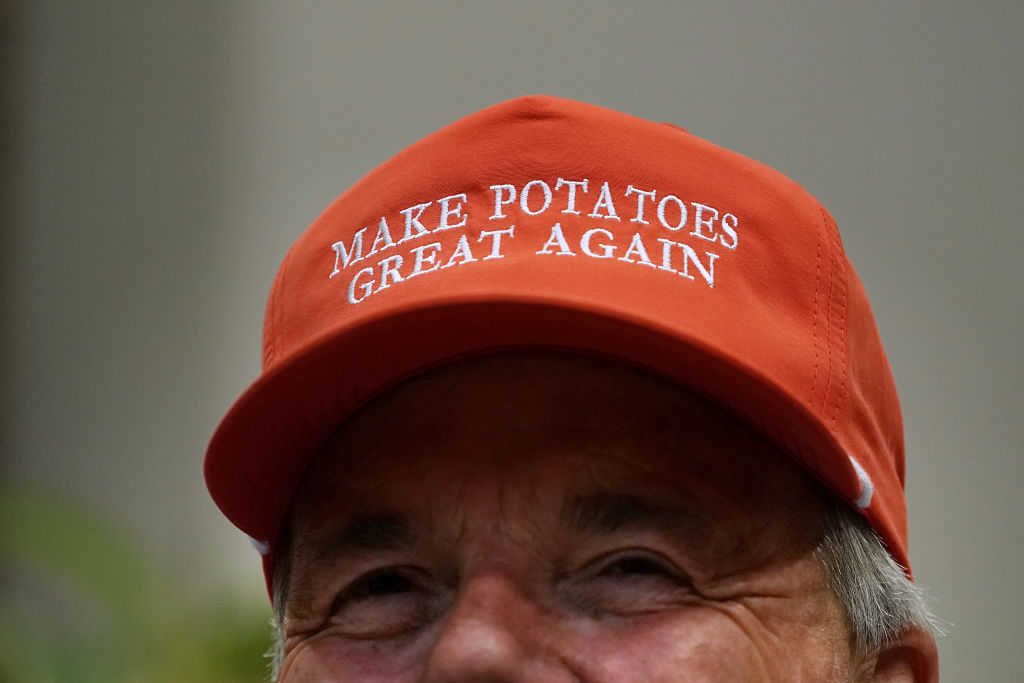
385, 603
628, 583
633, 566
379, 584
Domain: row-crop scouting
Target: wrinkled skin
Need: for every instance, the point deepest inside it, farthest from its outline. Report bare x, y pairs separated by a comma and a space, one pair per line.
534, 517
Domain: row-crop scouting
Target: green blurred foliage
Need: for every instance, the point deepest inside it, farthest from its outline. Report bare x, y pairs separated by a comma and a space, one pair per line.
81, 603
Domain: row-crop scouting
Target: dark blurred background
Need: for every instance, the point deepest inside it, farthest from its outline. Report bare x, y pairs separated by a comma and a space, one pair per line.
157, 159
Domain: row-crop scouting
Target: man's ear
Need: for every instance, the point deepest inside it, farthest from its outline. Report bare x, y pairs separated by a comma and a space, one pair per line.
910, 658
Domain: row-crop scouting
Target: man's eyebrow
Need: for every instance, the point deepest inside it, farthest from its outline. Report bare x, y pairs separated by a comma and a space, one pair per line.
385, 530
606, 512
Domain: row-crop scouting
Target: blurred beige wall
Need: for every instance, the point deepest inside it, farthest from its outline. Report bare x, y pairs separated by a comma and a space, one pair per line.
158, 159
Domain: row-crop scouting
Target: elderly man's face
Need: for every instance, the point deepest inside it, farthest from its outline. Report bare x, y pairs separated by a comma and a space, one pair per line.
537, 517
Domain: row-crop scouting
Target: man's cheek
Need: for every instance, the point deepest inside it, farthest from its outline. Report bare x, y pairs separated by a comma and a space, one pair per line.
687, 644
329, 656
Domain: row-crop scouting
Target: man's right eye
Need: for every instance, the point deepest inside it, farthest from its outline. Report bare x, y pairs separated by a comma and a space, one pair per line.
384, 603
382, 583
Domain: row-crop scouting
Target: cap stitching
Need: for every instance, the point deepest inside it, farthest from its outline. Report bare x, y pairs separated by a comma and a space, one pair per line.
814, 318
841, 392
828, 327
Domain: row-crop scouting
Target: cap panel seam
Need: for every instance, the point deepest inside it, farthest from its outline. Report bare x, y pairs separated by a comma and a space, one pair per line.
829, 367
814, 320
839, 307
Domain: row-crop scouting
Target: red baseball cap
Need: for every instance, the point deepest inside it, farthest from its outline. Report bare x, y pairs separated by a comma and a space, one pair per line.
545, 223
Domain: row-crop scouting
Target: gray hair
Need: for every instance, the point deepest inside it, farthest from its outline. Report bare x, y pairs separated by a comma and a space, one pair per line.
878, 597
279, 594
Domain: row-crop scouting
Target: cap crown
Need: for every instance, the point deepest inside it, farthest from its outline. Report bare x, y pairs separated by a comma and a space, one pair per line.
546, 223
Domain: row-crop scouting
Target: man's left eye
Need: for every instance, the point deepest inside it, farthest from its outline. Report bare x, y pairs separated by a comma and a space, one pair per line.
633, 565
629, 582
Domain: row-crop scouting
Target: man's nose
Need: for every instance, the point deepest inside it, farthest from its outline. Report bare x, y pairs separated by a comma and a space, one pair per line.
494, 633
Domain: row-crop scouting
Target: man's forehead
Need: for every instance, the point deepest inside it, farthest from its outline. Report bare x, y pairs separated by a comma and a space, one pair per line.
368, 529
528, 399
449, 519
570, 428
534, 389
